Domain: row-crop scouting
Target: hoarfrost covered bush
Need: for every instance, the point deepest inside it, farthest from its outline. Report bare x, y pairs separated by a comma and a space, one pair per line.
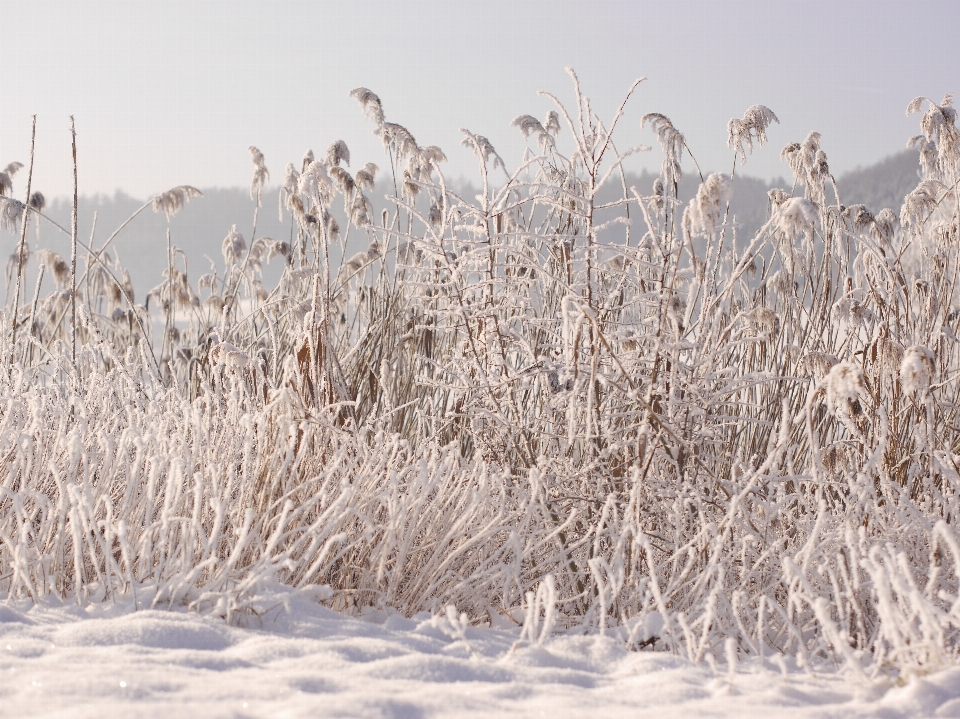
618, 417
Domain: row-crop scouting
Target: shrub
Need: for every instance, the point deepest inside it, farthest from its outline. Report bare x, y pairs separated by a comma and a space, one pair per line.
723, 438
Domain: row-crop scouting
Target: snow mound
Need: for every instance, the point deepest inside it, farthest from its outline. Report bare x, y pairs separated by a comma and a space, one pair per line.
302, 660
152, 629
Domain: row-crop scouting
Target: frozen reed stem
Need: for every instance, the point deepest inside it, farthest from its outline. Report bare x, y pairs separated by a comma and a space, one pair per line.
20, 257
74, 233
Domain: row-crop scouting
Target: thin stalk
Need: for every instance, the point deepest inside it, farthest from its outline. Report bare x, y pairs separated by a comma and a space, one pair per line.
74, 229
23, 241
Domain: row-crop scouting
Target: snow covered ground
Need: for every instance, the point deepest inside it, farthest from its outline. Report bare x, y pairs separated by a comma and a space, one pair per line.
302, 660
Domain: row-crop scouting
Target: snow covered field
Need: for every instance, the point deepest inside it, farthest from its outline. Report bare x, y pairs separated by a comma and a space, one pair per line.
301, 659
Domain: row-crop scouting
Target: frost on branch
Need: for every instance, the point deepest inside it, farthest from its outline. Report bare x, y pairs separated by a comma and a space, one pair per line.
742, 133
172, 201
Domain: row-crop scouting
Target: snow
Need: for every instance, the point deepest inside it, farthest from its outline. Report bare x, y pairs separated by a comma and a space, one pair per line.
299, 659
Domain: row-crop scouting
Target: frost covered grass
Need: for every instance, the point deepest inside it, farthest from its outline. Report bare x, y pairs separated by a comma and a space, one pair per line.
614, 417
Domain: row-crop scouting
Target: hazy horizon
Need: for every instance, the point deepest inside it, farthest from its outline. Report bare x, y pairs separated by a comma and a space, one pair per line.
174, 93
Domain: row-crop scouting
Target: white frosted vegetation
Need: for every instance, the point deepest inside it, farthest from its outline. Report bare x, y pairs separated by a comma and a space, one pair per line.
619, 418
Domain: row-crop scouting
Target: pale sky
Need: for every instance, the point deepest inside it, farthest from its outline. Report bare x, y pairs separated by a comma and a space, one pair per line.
168, 93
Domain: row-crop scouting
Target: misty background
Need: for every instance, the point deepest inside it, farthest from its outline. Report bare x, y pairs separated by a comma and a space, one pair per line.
172, 92
201, 226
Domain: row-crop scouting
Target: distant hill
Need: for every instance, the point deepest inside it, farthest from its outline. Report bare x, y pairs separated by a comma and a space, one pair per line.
882, 185
878, 186
200, 227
